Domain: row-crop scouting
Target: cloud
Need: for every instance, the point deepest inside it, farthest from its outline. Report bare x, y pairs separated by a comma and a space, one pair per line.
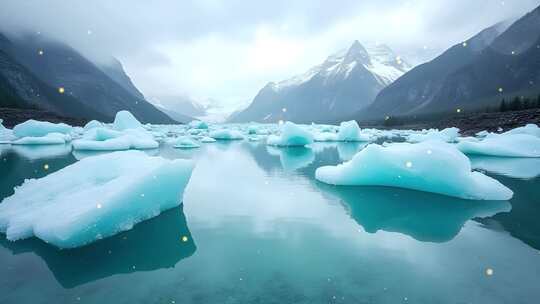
229, 49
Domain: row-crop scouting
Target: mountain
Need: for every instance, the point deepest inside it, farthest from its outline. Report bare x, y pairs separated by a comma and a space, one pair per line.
501, 61
65, 74
344, 83
19, 88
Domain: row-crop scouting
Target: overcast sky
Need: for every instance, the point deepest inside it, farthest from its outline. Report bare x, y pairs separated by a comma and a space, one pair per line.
228, 50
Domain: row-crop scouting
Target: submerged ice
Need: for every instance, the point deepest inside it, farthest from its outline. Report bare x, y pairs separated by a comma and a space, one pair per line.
94, 198
431, 166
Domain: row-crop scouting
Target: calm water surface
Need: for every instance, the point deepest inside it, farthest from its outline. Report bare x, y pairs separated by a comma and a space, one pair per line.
256, 227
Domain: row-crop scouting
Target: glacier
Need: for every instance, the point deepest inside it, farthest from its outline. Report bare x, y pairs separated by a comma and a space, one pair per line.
291, 135
94, 198
505, 145
431, 166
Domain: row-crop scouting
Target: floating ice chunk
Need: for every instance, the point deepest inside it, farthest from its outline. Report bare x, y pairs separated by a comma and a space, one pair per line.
103, 139
417, 167
93, 124
34, 128
325, 136
197, 124
350, 131
226, 134
446, 135
207, 139
49, 139
530, 129
252, 129
505, 145
184, 142
125, 120
254, 138
291, 135
516, 167
94, 198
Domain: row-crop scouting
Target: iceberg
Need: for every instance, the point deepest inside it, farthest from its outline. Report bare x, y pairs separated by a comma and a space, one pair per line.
125, 120
446, 135
505, 145
350, 131
226, 134
515, 167
127, 133
184, 142
92, 124
325, 136
34, 128
431, 166
94, 198
292, 135
530, 129
207, 139
49, 139
197, 124
103, 139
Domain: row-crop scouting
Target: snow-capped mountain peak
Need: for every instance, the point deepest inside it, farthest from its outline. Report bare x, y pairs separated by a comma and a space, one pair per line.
378, 59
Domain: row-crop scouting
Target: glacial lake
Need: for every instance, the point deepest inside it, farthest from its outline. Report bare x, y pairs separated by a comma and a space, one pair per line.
256, 227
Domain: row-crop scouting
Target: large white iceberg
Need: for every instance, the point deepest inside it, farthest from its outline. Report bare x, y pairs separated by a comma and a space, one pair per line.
292, 135
125, 120
226, 134
431, 166
530, 129
94, 198
446, 135
127, 133
505, 145
350, 131
34, 128
49, 139
516, 167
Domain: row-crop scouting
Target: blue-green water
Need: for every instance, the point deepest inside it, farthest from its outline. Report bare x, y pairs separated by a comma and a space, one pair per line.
256, 227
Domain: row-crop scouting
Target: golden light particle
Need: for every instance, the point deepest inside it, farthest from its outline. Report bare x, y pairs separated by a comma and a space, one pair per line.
185, 239
46, 166
61, 90
284, 110
489, 272
408, 164
98, 206
458, 110
500, 90
387, 118
464, 44
40, 52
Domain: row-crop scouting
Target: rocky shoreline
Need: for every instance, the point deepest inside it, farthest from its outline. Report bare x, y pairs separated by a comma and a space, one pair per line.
14, 116
469, 124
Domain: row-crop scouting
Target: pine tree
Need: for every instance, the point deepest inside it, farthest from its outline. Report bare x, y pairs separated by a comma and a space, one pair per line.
503, 107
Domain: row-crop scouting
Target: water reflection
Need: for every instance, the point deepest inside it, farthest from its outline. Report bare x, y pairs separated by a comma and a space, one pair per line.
347, 151
522, 222
293, 158
525, 168
423, 216
34, 152
157, 243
